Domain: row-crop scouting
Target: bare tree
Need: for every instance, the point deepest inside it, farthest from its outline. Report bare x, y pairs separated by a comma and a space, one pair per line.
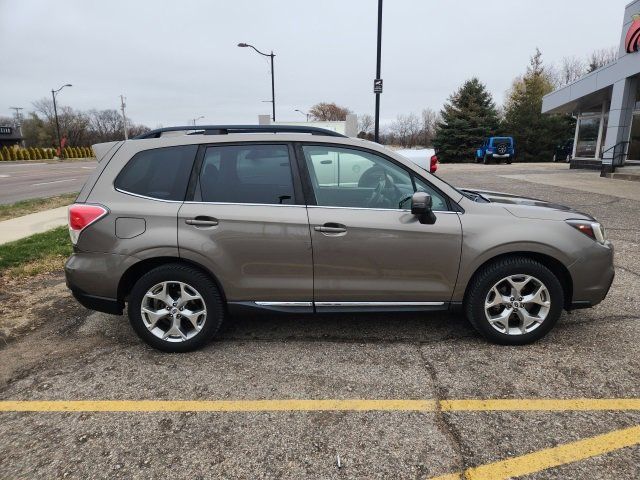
365, 124
78, 127
328, 112
428, 128
105, 125
571, 69
406, 129
602, 57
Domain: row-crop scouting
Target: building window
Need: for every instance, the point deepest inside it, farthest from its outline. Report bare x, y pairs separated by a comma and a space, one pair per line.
588, 128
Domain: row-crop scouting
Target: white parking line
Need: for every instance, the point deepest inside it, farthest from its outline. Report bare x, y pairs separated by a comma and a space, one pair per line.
4, 176
55, 181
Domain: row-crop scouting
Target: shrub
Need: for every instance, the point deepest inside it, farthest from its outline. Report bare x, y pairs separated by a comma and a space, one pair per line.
1, 157
32, 153
25, 154
6, 154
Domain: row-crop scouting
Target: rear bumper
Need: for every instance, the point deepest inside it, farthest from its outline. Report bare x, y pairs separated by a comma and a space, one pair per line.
100, 304
93, 278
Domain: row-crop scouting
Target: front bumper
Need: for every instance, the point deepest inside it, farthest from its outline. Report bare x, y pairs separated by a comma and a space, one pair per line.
592, 276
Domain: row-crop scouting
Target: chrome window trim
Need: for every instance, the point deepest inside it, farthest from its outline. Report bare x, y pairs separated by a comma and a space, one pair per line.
192, 202
284, 304
377, 304
146, 197
378, 209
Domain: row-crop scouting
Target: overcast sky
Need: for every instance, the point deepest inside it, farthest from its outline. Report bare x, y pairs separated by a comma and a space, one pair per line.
176, 60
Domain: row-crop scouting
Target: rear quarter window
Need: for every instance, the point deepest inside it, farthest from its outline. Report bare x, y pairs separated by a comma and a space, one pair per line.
161, 173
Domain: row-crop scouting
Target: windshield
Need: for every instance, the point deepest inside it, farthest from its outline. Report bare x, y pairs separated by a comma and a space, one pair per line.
498, 140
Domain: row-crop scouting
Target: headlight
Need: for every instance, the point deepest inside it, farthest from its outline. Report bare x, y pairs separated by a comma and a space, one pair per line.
591, 229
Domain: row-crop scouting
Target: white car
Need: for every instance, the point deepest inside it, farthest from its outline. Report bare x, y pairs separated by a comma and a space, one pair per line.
424, 157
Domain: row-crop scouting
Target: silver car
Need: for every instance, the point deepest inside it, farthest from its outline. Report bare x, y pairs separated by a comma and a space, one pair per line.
185, 227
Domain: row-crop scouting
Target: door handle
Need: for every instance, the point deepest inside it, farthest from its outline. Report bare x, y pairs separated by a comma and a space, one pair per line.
331, 228
202, 221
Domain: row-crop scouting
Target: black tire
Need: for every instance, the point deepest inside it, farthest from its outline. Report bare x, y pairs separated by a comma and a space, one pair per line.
486, 160
483, 281
509, 160
195, 278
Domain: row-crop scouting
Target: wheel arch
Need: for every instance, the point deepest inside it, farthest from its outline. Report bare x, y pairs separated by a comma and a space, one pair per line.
556, 266
137, 270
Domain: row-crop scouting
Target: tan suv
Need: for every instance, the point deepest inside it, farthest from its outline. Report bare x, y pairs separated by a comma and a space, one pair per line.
187, 226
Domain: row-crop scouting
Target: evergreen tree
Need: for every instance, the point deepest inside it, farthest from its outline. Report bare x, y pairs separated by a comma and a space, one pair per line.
469, 116
535, 134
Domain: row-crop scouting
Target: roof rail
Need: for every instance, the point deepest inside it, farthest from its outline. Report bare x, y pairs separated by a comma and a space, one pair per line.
227, 129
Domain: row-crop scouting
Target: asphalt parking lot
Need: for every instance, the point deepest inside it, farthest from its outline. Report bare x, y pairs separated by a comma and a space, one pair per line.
342, 396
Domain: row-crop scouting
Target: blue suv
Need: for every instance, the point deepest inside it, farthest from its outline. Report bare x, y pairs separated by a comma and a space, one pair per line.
496, 148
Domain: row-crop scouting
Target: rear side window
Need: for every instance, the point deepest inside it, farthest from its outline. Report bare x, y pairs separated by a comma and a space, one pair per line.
161, 173
247, 174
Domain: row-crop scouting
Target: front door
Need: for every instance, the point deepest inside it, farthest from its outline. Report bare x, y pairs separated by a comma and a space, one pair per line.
368, 249
248, 225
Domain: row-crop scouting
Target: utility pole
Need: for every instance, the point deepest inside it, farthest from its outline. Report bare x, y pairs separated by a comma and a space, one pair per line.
19, 122
124, 117
55, 112
377, 83
18, 114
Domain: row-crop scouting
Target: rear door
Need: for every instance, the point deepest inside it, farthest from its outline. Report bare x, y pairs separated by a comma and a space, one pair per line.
368, 249
247, 223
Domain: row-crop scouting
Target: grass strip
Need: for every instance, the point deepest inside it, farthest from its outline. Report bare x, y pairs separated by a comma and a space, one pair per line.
40, 253
34, 205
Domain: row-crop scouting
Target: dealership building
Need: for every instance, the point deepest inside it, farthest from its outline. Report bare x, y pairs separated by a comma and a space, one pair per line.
606, 104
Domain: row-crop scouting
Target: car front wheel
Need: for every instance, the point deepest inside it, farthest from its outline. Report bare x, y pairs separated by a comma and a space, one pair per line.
175, 308
514, 301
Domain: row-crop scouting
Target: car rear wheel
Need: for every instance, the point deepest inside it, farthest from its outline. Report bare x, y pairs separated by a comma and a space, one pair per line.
175, 308
486, 160
514, 301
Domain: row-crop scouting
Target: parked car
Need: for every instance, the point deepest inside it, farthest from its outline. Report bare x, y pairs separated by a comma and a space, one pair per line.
425, 158
186, 229
563, 151
498, 149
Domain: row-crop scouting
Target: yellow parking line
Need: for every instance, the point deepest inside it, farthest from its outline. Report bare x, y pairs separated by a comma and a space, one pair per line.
550, 457
215, 405
398, 405
540, 404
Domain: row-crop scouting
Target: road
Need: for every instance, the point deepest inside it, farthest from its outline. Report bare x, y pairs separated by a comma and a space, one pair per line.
320, 374
22, 181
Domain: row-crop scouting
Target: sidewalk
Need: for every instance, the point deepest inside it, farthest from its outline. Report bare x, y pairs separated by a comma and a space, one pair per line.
27, 225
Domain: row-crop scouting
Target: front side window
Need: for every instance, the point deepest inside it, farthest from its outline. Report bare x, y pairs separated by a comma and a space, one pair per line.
161, 173
344, 177
247, 174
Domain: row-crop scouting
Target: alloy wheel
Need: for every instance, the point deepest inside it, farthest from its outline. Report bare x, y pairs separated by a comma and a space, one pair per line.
173, 311
517, 304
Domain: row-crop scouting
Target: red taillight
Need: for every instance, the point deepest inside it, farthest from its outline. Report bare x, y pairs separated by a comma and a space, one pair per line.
434, 164
81, 216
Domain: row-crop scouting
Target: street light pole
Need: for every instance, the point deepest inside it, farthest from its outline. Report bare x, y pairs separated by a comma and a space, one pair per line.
273, 83
55, 112
377, 85
303, 113
194, 120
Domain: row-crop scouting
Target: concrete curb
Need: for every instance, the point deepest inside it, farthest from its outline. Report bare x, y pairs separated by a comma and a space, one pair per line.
27, 225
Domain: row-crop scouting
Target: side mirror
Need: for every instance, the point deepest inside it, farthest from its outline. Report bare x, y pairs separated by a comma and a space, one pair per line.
421, 203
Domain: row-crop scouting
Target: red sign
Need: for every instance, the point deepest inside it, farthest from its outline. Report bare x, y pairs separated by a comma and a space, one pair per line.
632, 41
